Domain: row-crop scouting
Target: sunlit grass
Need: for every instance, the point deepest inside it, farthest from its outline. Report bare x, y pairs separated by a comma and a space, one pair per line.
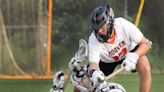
130, 82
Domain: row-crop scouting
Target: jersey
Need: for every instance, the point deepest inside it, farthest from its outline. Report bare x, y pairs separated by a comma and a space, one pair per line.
127, 36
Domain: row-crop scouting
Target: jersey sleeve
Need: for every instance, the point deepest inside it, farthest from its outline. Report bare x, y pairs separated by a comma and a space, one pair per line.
132, 31
94, 50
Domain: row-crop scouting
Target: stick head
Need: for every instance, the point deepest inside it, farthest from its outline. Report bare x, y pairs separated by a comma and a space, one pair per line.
82, 52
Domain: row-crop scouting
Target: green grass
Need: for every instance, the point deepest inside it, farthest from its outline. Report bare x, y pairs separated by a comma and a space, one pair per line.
130, 82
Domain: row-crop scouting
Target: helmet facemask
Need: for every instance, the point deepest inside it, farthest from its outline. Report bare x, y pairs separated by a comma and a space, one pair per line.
102, 15
104, 37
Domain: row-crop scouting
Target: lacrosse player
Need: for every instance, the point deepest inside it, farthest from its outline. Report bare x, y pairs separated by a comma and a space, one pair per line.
58, 82
84, 83
114, 41
78, 78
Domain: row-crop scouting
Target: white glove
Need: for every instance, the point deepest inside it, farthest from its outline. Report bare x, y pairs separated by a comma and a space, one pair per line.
130, 62
132, 57
129, 66
97, 77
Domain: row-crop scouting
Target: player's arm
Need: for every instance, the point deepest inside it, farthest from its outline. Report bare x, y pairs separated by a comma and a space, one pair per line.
94, 66
93, 71
144, 46
94, 53
136, 36
132, 57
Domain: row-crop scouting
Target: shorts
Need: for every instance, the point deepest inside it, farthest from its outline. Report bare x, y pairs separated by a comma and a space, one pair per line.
108, 68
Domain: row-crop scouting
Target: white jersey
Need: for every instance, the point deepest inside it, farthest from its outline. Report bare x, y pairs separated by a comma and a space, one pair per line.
126, 39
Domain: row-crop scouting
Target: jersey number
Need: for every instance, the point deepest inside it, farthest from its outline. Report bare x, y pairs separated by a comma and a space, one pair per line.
121, 55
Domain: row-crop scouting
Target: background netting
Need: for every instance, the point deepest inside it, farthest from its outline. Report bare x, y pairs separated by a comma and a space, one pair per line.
23, 37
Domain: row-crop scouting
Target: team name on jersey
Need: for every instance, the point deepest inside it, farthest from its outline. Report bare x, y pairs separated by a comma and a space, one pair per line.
117, 49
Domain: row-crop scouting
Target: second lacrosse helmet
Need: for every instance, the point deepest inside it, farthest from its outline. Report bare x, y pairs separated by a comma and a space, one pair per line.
110, 87
101, 15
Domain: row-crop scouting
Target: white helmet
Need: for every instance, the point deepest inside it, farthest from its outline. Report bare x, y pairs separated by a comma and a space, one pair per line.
110, 87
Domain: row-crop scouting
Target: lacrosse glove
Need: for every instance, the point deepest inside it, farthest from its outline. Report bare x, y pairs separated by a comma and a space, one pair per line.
130, 62
97, 77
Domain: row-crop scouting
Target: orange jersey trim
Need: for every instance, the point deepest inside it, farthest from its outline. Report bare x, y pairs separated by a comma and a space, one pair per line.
113, 37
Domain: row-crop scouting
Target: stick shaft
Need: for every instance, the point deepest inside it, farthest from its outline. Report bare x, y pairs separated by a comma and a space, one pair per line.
66, 81
114, 73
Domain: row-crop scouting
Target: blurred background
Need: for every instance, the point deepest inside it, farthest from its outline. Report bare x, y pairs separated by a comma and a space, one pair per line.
71, 22
24, 39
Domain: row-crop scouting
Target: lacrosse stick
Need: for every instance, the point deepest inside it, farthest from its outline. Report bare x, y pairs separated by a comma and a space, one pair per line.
82, 52
114, 73
80, 55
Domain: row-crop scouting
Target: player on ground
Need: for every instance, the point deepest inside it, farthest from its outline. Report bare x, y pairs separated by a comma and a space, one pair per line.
116, 40
84, 83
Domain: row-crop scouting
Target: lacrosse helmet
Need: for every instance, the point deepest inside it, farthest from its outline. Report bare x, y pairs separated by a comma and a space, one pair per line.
101, 15
110, 87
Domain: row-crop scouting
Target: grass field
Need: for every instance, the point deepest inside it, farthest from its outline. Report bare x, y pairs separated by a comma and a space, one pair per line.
130, 82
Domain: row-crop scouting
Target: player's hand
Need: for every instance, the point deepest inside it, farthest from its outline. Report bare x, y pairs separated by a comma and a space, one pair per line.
97, 77
128, 66
130, 62
132, 57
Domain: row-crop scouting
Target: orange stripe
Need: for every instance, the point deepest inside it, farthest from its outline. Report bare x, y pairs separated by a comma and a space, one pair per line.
49, 36
25, 77
28, 77
113, 36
